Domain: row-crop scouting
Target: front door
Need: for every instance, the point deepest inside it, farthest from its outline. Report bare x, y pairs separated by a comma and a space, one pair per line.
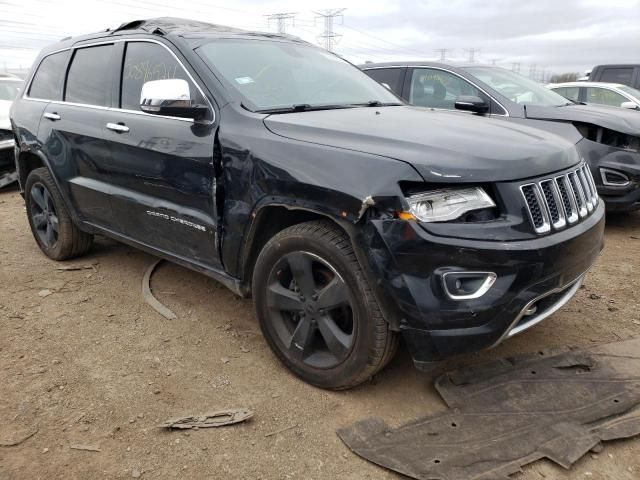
161, 168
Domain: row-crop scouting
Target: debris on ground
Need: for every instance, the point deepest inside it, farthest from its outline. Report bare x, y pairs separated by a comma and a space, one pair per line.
88, 448
290, 427
214, 419
74, 268
45, 293
19, 440
505, 414
148, 295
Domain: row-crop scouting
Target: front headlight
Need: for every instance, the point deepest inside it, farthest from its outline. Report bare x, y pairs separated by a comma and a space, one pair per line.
448, 203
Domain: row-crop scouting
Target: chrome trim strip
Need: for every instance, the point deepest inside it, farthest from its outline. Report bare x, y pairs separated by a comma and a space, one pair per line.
570, 289
7, 143
115, 109
573, 217
579, 194
484, 288
562, 222
452, 73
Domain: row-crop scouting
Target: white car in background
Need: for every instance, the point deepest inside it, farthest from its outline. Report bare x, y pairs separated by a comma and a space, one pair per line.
10, 87
598, 93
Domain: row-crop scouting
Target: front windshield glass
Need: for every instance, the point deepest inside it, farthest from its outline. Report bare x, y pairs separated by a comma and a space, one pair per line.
274, 74
9, 89
630, 91
517, 88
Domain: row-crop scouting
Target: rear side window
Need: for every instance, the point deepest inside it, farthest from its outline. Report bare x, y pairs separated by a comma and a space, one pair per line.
47, 82
390, 77
617, 75
144, 62
89, 78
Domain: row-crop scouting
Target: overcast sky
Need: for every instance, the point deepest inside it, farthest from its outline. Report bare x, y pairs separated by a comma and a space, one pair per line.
557, 36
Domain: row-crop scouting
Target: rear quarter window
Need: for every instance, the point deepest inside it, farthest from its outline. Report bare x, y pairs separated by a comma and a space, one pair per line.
616, 75
47, 81
391, 77
90, 76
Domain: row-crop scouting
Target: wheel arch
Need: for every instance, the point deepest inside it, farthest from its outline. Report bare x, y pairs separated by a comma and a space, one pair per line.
271, 219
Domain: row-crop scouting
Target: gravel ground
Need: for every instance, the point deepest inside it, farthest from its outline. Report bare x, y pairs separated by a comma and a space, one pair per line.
84, 361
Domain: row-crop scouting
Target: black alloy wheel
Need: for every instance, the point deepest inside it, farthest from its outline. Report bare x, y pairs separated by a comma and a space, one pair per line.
310, 309
44, 215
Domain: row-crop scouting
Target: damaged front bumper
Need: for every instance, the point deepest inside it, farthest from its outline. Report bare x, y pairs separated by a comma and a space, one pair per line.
617, 174
533, 279
8, 172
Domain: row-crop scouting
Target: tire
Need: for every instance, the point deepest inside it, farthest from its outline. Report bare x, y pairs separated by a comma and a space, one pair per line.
52, 227
335, 338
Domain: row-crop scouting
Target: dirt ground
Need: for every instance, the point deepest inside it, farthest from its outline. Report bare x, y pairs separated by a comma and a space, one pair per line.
84, 361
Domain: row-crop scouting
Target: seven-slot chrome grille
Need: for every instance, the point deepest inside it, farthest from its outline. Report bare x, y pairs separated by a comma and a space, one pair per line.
554, 203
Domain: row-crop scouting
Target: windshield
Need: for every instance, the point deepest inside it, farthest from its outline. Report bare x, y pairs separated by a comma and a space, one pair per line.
630, 91
9, 89
273, 74
517, 88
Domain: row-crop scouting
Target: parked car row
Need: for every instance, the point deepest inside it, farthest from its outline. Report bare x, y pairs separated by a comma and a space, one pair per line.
290, 176
608, 138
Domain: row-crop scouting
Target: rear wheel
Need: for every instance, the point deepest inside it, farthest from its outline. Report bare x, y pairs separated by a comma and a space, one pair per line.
316, 309
51, 225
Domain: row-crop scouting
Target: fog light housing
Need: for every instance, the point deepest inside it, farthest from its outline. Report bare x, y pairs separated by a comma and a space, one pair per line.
613, 178
467, 285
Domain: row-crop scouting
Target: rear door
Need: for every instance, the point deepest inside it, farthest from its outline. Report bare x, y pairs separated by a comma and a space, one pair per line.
161, 168
73, 133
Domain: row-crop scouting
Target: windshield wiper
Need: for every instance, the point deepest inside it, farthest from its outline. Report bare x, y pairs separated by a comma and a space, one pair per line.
376, 103
302, 107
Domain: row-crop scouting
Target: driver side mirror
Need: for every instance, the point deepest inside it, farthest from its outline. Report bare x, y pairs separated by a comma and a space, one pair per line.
170, 97
471, 103
630, 105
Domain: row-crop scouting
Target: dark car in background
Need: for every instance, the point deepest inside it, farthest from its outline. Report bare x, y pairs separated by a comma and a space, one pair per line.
626, 74
608, 137
290, 176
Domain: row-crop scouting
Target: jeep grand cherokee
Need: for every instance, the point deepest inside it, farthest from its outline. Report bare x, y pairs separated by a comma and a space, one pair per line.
289, 175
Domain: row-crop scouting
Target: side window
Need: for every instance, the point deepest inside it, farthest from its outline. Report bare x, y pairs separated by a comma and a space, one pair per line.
392, 77
439, 89
47, 82
603, 96
89, 78
144, 62
617, 75
571, 93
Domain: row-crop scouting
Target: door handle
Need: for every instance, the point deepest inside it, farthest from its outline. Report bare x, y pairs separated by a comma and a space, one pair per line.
118, 127
52, 116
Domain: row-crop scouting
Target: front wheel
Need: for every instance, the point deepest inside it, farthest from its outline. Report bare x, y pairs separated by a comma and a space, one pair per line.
316, 309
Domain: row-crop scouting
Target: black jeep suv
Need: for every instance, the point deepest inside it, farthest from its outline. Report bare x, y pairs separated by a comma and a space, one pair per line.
288, 174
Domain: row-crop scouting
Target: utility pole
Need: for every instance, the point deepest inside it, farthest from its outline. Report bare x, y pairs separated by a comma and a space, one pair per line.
443, 53
532, 71
515, 67
328, 37
281, 20
494, 61
472, 54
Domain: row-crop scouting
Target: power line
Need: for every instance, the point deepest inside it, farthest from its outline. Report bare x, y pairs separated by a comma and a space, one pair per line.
329, 38
472, 54
281, 20
443, 53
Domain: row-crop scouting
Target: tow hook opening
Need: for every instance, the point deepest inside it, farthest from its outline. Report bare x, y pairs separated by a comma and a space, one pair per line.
467, 285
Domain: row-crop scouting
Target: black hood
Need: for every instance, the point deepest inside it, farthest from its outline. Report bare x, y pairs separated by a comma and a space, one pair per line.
442, 146
614, 118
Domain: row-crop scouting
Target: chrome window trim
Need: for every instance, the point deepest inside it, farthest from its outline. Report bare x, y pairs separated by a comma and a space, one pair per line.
452, 73
116, 109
